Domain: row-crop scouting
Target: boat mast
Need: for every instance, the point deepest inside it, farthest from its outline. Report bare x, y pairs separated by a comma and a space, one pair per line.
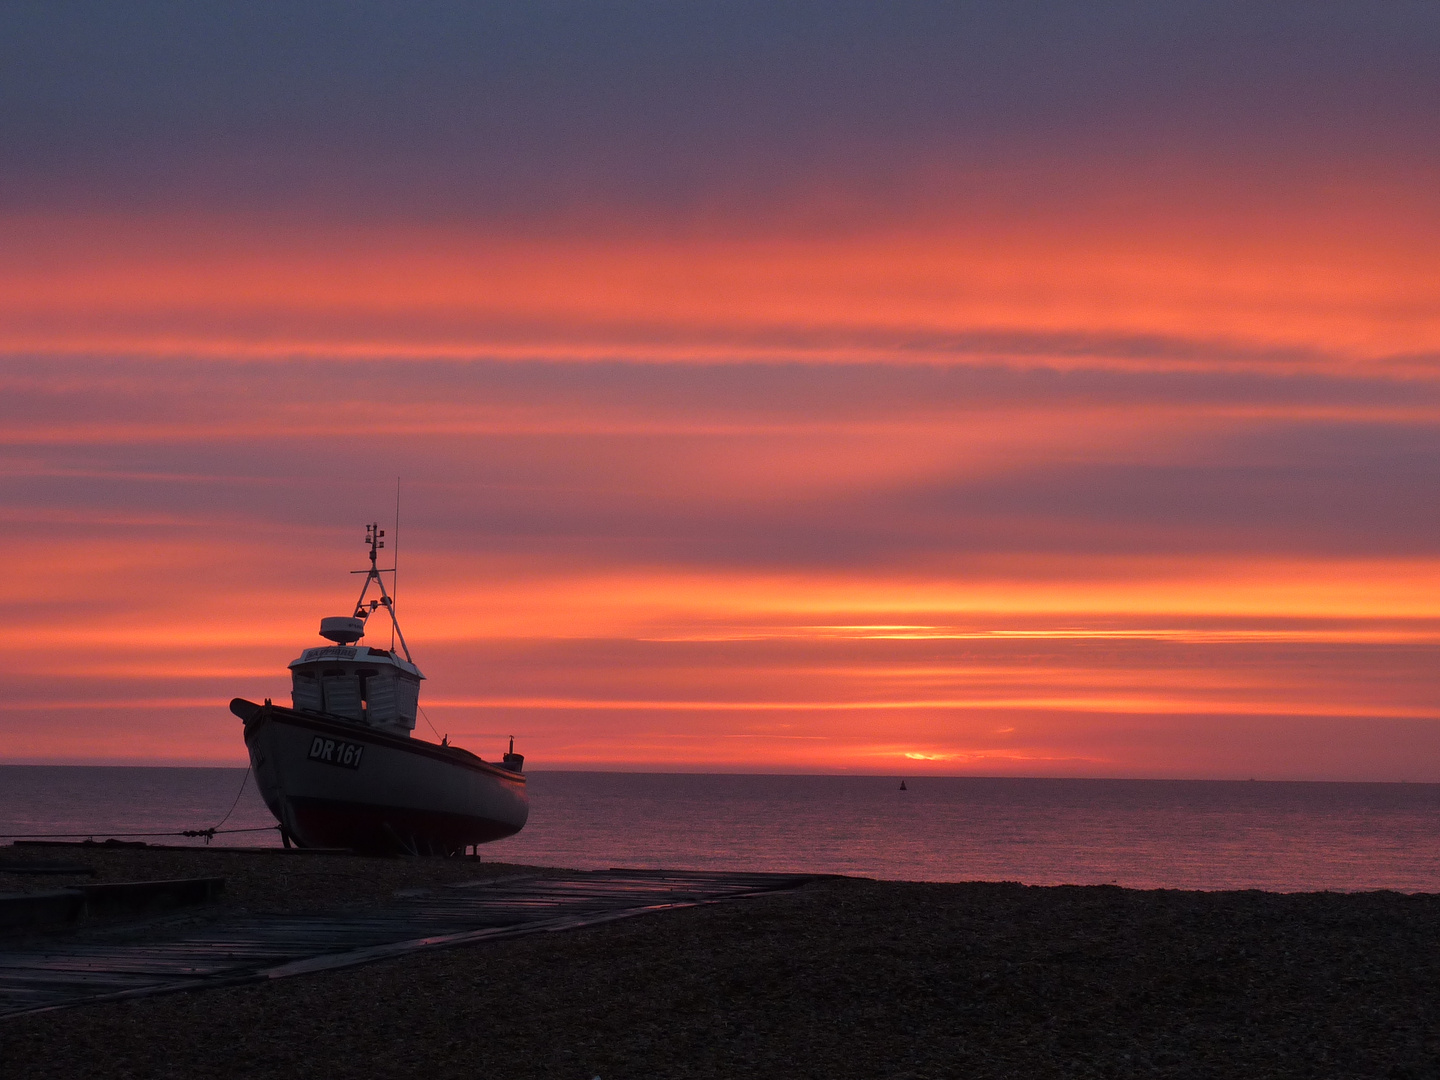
363, 611
395, 561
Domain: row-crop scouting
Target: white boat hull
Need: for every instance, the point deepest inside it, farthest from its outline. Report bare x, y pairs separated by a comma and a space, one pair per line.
335, 784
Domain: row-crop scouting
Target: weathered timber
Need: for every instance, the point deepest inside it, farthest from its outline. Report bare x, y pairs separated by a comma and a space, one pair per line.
255, 948
24, 910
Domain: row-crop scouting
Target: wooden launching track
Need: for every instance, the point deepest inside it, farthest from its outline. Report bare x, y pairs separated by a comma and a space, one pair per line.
263, 947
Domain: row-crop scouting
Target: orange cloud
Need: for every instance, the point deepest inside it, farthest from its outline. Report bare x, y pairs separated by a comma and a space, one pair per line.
1277, 286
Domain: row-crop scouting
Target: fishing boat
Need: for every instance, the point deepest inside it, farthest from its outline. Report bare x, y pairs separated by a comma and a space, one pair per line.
341, 767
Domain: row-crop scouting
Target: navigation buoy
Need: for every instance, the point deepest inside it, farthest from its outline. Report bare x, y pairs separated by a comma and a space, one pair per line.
902, 786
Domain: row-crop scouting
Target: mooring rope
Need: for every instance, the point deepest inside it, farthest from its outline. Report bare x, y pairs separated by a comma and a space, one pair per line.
207, 834
243, 780
101, 832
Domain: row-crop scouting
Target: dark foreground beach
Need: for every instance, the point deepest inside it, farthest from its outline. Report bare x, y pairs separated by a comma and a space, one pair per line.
842, 978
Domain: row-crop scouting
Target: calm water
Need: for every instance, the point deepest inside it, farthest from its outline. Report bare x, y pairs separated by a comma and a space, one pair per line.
1139, 833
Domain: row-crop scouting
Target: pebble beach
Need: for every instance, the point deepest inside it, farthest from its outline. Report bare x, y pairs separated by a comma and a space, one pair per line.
846, 977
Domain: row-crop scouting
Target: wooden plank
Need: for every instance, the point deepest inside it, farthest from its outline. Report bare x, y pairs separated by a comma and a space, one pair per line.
264, 948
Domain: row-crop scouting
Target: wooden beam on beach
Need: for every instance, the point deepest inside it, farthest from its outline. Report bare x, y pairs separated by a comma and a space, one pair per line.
259, 948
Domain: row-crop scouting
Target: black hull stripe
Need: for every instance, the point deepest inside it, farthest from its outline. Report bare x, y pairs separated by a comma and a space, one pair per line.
384, 829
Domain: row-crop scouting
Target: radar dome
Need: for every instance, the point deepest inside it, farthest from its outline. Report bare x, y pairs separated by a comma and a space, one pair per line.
343, 629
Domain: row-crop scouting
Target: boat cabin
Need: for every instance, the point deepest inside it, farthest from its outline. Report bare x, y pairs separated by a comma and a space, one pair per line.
377, 687
369, 686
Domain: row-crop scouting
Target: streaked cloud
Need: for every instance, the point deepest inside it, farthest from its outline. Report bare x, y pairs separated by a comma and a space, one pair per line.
1009, 388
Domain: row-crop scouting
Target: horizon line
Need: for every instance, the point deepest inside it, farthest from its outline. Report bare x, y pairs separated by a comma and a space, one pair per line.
202, 764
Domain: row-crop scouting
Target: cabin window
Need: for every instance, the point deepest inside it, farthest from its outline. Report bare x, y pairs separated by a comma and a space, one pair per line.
364, 674
305, 692
342, 693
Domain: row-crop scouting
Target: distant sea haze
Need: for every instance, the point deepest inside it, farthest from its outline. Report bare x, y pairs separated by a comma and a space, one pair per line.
1178, 834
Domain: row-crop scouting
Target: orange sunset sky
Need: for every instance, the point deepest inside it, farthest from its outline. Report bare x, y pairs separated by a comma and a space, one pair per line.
1003, 388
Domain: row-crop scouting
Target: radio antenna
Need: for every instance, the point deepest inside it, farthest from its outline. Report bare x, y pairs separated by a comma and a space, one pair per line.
395, 555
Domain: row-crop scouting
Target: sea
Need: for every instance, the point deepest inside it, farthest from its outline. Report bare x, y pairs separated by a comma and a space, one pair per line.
1142, 834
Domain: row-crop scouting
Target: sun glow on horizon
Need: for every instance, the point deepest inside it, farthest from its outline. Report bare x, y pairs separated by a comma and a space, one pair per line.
866, 406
